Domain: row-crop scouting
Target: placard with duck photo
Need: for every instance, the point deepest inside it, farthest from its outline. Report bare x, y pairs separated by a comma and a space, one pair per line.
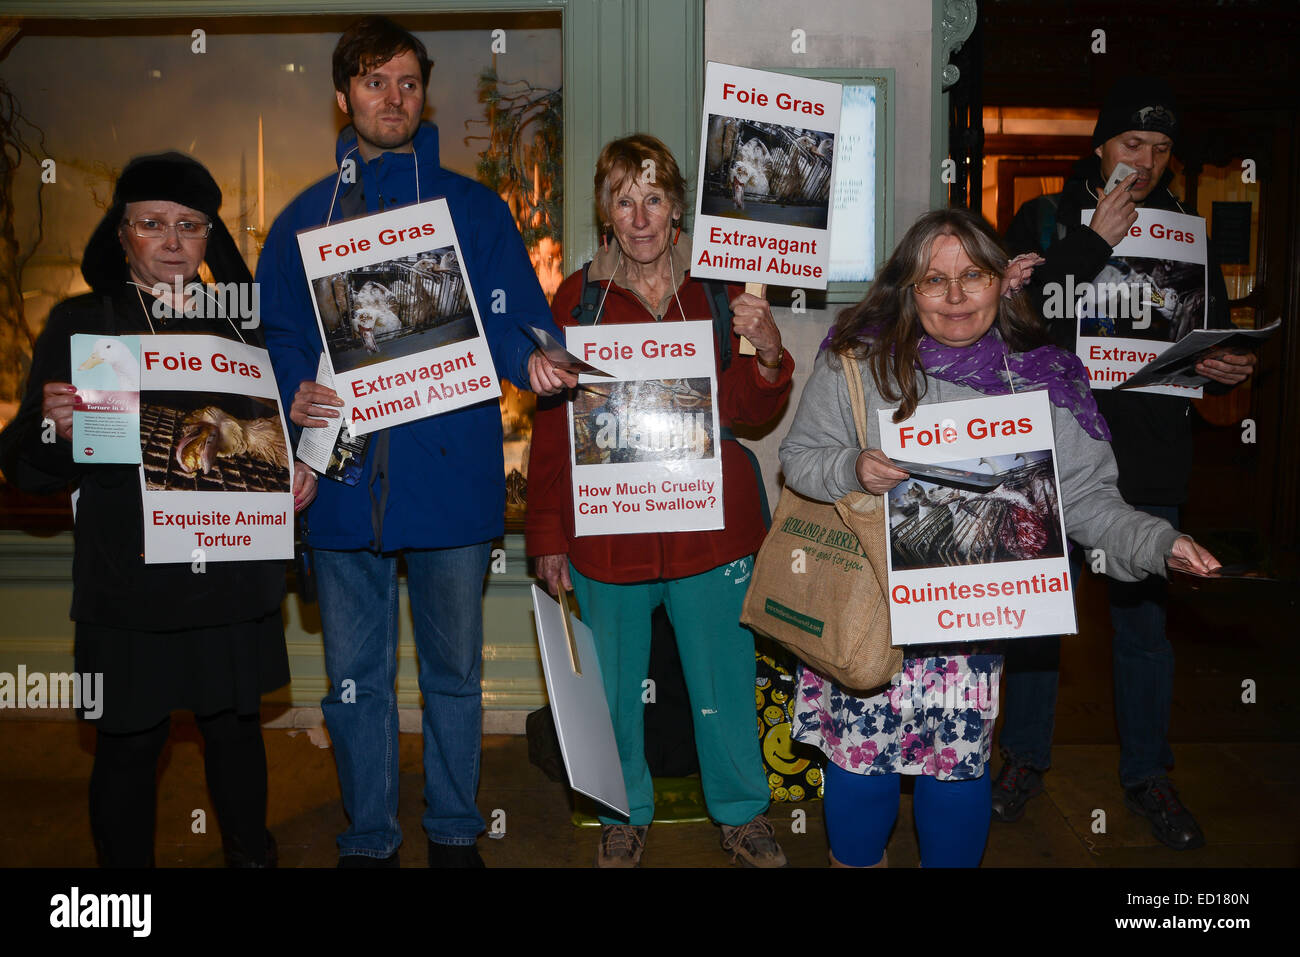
215, 473
969, 563
402, 332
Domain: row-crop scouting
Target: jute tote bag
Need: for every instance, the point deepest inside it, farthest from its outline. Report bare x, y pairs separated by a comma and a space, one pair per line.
820, 584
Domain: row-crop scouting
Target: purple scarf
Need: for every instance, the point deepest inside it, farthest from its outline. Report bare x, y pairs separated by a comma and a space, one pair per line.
984, 365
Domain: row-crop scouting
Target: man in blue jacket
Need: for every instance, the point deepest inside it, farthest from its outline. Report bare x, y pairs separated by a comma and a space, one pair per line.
432, 490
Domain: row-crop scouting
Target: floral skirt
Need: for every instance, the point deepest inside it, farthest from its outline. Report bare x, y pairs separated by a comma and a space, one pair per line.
935, 718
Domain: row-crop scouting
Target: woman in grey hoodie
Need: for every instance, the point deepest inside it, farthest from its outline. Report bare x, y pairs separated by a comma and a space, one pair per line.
943, 322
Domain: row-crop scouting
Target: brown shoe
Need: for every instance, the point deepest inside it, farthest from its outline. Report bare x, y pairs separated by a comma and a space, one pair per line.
753, 844
620, 845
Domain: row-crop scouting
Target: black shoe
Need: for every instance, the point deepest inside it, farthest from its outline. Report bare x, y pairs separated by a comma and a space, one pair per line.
454, 855
1013, 787
236, 856
1171, 823
364, 860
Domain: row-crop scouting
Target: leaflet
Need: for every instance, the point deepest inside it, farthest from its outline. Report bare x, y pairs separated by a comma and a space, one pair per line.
402, 331
332, 449
1177, 365
106, 417
968, 564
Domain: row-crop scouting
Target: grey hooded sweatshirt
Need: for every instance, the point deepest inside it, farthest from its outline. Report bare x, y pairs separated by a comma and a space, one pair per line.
820, 453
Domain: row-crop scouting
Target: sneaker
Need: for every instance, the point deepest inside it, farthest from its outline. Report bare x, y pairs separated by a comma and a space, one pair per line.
1012, 789
1171, 823
454, 855
364, 860
620, 845
753, 844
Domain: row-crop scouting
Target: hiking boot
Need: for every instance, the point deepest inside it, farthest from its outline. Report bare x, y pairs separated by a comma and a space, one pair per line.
1171, 823
753, 844
620, 845
1013, 787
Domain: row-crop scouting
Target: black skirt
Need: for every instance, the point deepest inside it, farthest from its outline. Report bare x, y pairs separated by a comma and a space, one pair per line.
148, 675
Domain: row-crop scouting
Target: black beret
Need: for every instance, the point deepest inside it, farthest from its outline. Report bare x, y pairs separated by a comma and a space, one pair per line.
171, 177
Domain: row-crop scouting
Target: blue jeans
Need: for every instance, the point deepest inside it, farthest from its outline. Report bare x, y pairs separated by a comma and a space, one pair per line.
358, 605
1143, 671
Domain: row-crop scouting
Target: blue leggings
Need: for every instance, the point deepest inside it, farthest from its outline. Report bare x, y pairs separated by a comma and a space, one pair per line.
952, 817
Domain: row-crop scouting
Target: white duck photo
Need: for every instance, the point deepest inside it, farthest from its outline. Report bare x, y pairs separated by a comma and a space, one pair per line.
374, 314
119, 358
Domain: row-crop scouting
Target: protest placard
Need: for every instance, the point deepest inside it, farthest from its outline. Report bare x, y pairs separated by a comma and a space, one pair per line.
398, 318
1151, 293
966, 565
215, 472
106, 417
578, 704
644, 445
767, 165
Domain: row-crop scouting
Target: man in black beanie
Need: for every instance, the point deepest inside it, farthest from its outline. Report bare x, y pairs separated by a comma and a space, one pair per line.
1152, 441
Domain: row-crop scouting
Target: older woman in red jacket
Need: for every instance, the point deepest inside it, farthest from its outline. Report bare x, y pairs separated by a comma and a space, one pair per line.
641, 275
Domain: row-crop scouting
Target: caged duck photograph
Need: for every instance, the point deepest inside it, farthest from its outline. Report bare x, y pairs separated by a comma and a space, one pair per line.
767, 172
643, 420
1137, 297
394, 308
934, 525
212, 442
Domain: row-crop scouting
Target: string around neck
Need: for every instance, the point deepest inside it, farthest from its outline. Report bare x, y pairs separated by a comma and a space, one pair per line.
339, 178
600, 306
202, 288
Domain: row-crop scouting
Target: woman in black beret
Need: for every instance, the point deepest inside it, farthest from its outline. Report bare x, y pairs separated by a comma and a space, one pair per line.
163, 636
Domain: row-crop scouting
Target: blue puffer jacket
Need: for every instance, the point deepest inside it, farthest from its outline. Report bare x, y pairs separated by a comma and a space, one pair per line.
438, 482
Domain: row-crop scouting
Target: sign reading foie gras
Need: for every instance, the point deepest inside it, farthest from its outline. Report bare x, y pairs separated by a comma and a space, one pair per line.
397, 316
214, 452
644, 443
1150, 294
767, 165
976, 534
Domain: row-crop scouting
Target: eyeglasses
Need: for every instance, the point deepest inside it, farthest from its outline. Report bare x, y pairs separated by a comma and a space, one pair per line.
972, 282
153, 229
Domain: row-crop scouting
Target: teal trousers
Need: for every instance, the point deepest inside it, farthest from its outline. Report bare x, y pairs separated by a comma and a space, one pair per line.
718, 662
